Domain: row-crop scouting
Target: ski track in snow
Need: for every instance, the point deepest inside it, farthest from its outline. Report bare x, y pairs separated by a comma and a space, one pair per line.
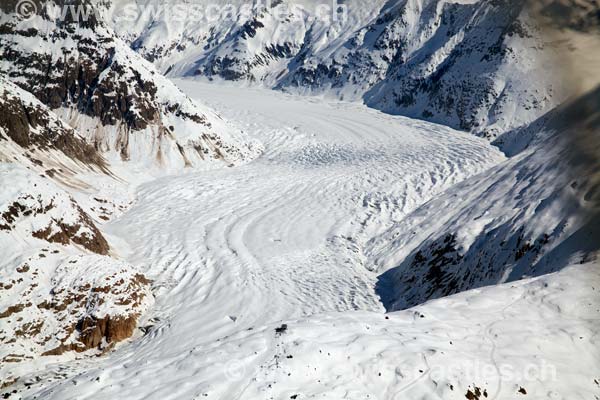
235, 252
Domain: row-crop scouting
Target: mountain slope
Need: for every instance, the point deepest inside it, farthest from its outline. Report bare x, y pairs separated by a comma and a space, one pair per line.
116, 100
532, 215
60, 291
56, 267
34, 136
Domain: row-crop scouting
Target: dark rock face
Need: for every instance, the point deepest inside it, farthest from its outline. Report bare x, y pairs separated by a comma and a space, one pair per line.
19, 119
72, 79
82, 76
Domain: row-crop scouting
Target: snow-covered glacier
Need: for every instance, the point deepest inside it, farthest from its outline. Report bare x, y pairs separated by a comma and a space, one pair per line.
397, 200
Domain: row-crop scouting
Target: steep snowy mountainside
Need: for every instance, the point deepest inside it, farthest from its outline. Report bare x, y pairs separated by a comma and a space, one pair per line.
115, 99
60, 291
534, 214
34, 137
481, 66
477, 67
256, 44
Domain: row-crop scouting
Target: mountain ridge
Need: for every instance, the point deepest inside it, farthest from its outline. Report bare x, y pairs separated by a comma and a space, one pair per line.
471, 65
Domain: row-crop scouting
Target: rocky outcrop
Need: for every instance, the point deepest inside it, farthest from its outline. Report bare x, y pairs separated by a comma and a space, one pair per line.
33, 127
93, 303
65, 233
35, 207
95, 331
60, 291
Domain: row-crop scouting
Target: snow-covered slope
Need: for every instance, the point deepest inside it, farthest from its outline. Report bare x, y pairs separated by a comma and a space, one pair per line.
114, 98
59, 289
454, 348
480, 66
35, 207
532, 215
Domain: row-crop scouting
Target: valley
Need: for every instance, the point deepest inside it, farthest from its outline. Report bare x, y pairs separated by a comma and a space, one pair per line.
263, 290
404, 205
